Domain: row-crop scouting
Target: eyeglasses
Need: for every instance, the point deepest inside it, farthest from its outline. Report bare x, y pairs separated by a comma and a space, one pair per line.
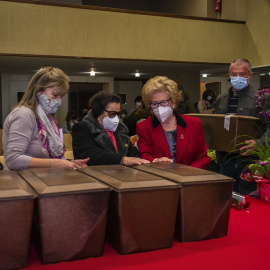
163, 103
112, 114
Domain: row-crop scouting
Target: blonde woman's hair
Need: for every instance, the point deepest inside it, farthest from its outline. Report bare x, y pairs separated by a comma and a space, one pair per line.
46, 77
160, 84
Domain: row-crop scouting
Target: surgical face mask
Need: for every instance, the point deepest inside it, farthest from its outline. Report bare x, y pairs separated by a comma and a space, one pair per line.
163, 113
239, 83
209, 98
49, 105
139, 104
111, 124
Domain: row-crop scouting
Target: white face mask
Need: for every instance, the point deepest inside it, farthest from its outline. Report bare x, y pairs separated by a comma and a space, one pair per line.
139, 104
163, 113
110, 124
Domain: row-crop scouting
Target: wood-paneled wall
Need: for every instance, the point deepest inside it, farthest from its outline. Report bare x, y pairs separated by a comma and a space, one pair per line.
33, 29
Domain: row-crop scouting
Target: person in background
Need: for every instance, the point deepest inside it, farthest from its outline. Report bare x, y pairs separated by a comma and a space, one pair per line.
168, 136
124, 115
183, 107
69, 122
239, 100
138, 104
206, 105
102, 137
31, 137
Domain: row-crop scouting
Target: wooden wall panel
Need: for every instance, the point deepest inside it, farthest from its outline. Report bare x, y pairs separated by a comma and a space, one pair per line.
34, 29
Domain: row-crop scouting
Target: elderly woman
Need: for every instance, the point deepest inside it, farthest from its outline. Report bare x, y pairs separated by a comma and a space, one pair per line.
31, 136
101, 136
167, 136
206, 105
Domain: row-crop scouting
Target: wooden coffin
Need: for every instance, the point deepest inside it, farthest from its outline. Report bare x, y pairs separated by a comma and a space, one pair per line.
205, 200
16, 215
70, 214
238, 129
142, 208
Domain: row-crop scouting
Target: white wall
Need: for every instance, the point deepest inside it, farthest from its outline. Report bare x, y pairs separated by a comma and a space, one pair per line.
132, 89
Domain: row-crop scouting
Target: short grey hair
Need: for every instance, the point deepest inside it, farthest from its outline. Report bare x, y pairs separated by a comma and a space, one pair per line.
241, 61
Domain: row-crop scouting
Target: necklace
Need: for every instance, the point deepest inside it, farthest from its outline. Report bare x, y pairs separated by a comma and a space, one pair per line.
170, 133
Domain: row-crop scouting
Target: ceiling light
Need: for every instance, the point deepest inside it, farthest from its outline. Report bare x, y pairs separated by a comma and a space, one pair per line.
269, 73
262, 74
137, 74
204, 75
92, 72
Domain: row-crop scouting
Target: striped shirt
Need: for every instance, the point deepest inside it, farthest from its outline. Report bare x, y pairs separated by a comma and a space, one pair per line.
233, 103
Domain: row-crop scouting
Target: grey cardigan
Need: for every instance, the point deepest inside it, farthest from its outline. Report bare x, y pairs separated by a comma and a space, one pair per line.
20, 140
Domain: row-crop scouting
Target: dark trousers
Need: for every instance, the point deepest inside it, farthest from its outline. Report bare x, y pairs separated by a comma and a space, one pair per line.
232, 166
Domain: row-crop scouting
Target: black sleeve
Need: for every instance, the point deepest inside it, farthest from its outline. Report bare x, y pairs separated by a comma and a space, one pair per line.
84, 146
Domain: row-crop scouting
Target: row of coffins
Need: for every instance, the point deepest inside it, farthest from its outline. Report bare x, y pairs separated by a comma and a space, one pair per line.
69, 213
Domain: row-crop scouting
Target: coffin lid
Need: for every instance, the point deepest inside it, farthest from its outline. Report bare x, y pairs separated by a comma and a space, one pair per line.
126, 178
182, 174
12, 186
60, 181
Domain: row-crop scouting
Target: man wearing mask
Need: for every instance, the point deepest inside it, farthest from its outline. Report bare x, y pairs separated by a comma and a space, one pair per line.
239, 100
101, 136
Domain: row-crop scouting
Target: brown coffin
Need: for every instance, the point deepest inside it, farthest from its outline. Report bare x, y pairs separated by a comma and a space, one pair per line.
220, 139
205, 200
70, 214
16, 215
142, 209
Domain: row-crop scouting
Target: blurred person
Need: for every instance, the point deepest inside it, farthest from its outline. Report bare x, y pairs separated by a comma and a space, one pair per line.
31, 137
102, 137
168, 136
69, 122
206, 105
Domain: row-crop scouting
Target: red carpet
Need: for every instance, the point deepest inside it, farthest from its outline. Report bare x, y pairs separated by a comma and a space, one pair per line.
247, 246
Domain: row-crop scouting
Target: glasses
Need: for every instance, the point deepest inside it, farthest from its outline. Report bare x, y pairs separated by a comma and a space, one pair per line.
163, 103
112, 114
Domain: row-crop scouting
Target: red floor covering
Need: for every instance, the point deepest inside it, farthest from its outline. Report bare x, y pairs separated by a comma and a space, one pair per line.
247, 246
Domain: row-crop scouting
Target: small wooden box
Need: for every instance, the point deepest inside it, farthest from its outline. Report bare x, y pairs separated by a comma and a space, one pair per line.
142, 209
70, 214
205, 200
218, 138
16, 215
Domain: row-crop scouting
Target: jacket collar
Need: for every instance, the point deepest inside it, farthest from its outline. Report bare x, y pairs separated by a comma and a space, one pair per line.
179, 119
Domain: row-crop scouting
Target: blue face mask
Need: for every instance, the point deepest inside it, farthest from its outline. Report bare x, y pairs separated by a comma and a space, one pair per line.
239, 83
209, 98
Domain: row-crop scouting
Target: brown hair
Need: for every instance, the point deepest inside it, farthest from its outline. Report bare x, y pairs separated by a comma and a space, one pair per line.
44, 78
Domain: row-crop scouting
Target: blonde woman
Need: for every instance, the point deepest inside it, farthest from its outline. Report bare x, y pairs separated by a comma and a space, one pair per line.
167, 136
31, 137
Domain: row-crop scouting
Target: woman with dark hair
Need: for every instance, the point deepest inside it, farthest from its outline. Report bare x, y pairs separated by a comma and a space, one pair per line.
69, 122
101, 136
206, 105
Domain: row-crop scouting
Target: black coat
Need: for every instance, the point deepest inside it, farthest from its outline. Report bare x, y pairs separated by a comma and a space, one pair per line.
90, 139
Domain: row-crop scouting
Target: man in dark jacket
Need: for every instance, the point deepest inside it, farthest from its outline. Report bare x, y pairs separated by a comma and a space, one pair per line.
239, 100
